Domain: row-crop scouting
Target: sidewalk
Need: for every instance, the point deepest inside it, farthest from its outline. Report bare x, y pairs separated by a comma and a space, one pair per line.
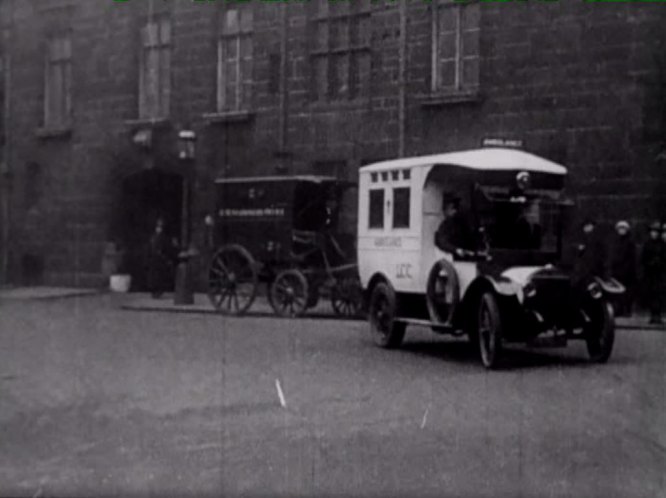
31, 293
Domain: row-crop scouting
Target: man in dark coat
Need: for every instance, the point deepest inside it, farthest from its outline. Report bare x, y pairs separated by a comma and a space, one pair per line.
592, 256
623, 266
653, 263
454, 234
162, 260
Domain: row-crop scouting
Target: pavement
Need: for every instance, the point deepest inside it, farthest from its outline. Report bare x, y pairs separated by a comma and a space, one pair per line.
23, 293
98, 401
145, 302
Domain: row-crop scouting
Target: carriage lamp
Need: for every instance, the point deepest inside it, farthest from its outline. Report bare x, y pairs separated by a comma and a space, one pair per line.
183, 293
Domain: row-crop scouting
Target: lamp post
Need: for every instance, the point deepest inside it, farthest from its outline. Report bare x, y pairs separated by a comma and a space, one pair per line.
183, 293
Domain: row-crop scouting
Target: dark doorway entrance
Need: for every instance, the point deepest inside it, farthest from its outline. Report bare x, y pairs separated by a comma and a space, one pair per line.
147, 196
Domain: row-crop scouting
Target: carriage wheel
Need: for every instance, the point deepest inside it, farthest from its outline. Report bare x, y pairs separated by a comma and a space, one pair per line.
289, 293
347, 297
232, 280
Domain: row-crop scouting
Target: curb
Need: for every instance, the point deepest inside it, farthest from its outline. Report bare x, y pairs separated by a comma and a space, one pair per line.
64, 295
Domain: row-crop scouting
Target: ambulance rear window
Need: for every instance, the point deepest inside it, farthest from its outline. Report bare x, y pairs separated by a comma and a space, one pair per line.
376, 210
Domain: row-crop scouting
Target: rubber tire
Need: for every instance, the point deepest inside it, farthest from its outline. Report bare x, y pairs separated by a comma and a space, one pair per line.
490, 353
600, 334
390, 333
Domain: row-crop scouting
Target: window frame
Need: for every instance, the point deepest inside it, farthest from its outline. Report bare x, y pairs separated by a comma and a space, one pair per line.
459, 84
244, 86
356, 55
58, 64
163, 90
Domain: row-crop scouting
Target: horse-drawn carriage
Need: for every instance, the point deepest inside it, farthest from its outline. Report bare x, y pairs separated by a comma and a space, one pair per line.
293, 234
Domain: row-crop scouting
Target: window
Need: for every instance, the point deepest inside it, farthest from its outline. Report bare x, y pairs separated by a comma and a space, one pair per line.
234, 59
155, 75
455, 52
341, 49
58, 81
401, 207
376, 209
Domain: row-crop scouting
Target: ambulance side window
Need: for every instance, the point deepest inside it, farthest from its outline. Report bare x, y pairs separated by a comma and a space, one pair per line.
401, 207
376, 210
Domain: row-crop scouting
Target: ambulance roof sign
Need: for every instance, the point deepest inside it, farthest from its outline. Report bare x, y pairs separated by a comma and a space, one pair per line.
502, 142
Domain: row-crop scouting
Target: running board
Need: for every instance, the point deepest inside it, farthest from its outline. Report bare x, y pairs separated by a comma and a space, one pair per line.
437, 327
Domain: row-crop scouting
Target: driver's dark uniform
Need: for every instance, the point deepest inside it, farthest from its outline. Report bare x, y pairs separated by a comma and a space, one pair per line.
454, 233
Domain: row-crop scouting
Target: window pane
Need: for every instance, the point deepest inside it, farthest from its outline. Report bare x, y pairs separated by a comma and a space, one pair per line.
321, 36
364, 73
246, 47
150, 37
447, 46
339, 75
246, 19
231, 23
401, 207
470, 43
470, 72
376, 211
246, 84
339, 33
165, 82
321, 77
470, 16
447, 19
165, 31
447, 74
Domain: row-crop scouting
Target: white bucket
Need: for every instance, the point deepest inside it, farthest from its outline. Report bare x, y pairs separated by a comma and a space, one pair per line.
120, 283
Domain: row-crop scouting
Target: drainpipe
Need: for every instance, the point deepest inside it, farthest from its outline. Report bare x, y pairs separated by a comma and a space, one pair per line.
402, 79
283, 125
5, 172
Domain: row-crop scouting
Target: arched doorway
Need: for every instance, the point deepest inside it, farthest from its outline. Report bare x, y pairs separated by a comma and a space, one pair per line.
146, 196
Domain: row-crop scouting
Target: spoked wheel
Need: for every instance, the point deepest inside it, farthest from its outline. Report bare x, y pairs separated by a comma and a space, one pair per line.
347, 297
386, 332
289, 293
232, 280
489, 331
600, 332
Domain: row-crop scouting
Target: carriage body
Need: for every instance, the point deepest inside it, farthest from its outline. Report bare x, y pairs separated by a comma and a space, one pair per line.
302, 224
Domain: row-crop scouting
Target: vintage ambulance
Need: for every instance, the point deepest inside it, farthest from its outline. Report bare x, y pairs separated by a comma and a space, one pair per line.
508, 287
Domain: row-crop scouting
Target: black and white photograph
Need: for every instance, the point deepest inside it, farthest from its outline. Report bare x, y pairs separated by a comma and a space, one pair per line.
333, 248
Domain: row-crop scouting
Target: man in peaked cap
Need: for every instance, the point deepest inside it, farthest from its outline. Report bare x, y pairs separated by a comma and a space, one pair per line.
653, 263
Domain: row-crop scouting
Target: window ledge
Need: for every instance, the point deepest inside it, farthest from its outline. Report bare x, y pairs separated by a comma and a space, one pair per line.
54, 132
339, 104
228, 116
466, 96
147, 122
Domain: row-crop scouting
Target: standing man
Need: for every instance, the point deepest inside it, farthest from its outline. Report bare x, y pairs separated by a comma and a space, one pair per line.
592, 259
653, 263
623, 266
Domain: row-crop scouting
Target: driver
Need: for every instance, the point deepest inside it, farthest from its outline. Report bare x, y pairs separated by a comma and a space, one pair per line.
454, 234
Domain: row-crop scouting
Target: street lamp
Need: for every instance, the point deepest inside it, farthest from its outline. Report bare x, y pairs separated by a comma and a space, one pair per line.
183, 293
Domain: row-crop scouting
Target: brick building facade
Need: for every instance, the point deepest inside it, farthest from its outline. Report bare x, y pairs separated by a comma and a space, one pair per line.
95, 91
